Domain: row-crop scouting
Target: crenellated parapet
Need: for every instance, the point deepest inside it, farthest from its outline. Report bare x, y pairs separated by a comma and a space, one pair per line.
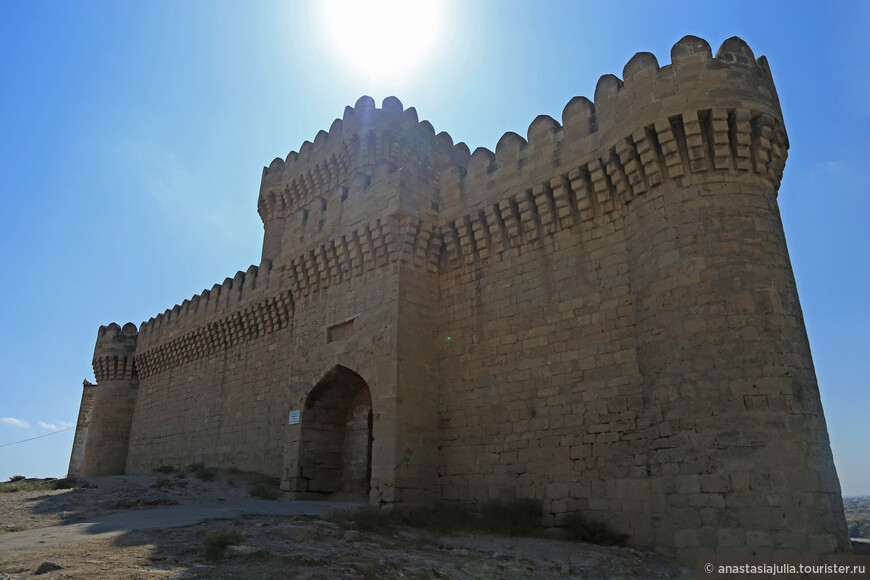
232, 295
104, 428
253, 322
623, 333
356, 143
697, 114
113, 353
248, 306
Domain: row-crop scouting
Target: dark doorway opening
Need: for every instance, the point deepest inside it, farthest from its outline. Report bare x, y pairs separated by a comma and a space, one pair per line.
336, 435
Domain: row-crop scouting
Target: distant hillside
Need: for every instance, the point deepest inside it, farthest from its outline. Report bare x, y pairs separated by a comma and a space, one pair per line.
857, 516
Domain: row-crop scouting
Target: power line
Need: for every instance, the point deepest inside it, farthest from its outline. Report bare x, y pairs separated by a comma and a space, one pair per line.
37, 437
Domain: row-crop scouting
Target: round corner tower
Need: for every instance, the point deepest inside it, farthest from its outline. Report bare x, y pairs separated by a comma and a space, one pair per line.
739, 457
108, 437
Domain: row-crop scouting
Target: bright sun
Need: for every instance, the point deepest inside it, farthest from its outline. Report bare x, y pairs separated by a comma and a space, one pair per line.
383, 39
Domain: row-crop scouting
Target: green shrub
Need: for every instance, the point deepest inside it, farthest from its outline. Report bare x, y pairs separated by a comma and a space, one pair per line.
582, 529
65, 483
215, 543
161, 482
514, 517
165, 469
265, 491
438, 516
201, 471
859, 528
24, 485
366, 517
15, 478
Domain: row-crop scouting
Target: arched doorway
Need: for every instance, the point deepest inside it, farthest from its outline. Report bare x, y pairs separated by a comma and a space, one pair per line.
335, 445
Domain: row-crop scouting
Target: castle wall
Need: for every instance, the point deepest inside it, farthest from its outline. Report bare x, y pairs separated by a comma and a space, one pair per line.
352, 325
601, 316
221, 410
727, 372
669, 421
108, 429
82, 423
219, 377
541, 393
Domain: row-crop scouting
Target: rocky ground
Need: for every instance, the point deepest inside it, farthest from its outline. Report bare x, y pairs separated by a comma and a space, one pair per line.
276, 546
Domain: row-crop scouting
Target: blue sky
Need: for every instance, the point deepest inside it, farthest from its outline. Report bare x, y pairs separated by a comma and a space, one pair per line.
133, 136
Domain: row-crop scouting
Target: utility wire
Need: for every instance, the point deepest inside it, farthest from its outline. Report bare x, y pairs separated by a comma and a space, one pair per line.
37, 437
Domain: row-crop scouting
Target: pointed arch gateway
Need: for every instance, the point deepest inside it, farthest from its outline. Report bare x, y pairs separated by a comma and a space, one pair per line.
335, 439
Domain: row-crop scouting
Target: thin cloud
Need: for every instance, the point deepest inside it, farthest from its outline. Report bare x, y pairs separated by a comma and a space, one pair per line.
55, 426
15, 422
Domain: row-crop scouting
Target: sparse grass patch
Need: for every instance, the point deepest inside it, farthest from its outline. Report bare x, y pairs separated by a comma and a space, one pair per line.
582, 529
438, 516
12, 528
161, 482
370, 518
266, 487
513, 517
24, 485
15, 478
201, 471
215, 543
65, 483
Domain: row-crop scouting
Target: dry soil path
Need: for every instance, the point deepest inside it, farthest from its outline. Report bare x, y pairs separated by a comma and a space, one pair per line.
176, 516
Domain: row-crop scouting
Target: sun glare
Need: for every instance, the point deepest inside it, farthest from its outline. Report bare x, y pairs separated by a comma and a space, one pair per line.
383, 39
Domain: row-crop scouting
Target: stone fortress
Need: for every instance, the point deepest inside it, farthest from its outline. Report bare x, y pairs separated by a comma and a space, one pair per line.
602, 316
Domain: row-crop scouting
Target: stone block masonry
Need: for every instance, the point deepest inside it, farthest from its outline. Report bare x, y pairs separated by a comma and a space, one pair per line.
601, 315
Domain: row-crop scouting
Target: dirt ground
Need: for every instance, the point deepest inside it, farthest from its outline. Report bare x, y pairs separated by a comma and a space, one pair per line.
273, 546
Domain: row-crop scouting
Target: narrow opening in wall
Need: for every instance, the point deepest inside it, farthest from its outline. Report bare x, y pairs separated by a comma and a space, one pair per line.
499, 224
732, 136
372, 153
617, 175
586, 178
339, 331
635, 157
303, 223
679, 132
706, 119
485, 229
606, 197
533, 210
652, 137
515, 213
